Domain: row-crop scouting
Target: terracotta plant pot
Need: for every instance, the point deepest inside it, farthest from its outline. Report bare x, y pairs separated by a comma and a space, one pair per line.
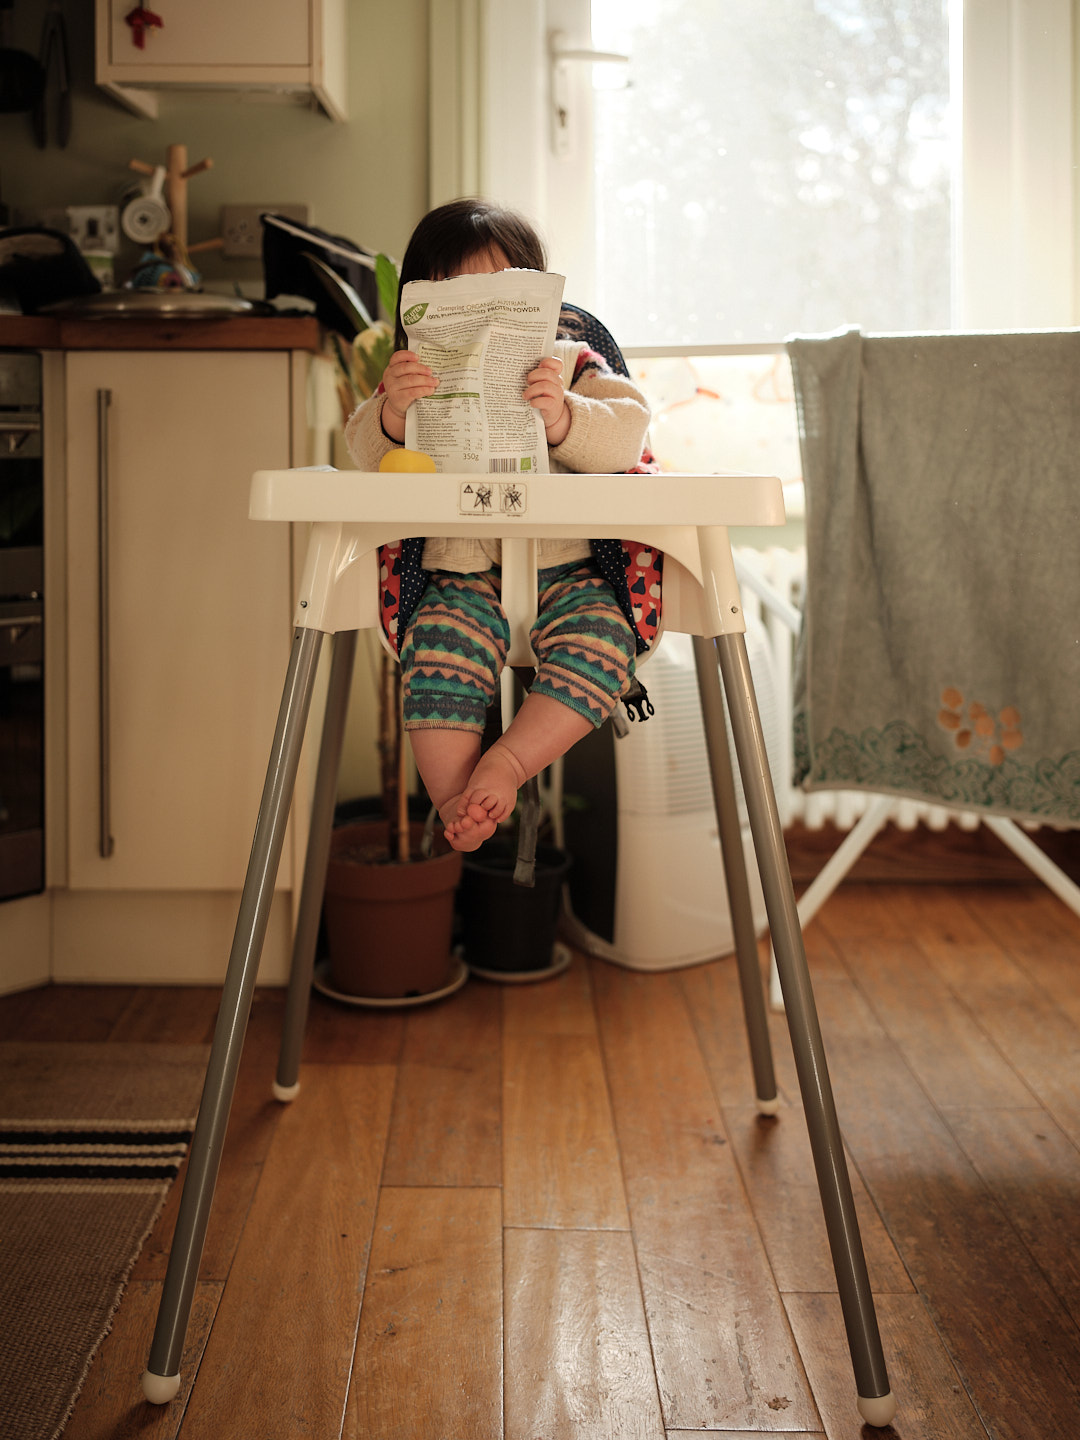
389, 926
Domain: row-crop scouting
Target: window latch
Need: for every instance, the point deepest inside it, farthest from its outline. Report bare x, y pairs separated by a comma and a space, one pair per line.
560, 57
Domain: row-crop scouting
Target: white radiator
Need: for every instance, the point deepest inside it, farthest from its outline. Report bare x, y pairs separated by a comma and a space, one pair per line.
773, 582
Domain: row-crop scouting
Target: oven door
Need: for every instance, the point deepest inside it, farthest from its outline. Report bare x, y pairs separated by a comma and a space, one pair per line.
22, 688
22, 734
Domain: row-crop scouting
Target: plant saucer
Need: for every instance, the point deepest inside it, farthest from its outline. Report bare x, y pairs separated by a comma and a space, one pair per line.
321, 981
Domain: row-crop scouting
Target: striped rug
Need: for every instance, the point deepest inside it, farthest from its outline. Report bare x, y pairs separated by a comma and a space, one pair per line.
91, 1137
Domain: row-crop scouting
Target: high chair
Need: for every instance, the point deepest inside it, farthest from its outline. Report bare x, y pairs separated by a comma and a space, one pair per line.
351, 514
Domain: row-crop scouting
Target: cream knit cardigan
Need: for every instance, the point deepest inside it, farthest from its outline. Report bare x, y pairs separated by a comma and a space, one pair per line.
609, 418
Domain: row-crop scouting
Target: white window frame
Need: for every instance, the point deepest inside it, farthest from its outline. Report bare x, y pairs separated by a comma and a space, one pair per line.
1016, 218
1016, 226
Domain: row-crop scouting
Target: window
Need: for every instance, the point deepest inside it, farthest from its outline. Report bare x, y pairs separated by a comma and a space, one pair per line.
815, 163
773, 168
797, 165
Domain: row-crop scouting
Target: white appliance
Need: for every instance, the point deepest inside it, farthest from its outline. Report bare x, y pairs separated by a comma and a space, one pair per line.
671, 905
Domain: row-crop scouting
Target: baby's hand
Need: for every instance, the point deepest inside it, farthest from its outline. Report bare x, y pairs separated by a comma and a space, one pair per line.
405, 379
544, 391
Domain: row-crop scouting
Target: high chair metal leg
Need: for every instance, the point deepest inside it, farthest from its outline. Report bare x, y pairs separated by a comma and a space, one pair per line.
738, 888
287, 1083
161, 1381
875, 1400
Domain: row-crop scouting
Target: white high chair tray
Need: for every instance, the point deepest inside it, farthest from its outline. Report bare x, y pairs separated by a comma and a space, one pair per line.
532, 506
353, 512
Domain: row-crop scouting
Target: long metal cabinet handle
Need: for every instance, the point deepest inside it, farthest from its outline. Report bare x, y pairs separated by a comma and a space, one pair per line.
104, 400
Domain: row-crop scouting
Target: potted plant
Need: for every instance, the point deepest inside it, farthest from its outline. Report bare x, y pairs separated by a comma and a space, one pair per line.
511, 895
389, 899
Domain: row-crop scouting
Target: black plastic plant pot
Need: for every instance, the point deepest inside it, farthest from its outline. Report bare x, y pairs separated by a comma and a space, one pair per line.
506, 927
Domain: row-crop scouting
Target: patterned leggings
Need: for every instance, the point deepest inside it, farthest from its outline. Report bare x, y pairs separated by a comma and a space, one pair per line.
456, 644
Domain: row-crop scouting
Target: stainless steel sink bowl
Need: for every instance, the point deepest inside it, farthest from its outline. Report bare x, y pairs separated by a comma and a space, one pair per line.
153, 305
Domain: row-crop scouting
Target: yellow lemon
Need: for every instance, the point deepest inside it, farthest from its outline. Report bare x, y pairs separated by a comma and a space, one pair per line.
406, 460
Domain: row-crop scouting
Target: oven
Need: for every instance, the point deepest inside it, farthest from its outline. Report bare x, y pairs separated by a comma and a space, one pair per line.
22, 629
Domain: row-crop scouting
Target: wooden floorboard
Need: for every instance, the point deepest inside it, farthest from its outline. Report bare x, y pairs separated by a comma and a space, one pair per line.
561, 1158
552, 1212
111, 1405
430, 1349
299, 1270
253, 1122
1032, 1170
87, 1013
447, 1119
931, 1401
723, 1351
777, 1168
774, 1154
163, 1015
578, 1360
1008, 1333
1032, 1029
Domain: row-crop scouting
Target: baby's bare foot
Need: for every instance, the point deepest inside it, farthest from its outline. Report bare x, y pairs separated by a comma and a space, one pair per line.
492, 789
465, 831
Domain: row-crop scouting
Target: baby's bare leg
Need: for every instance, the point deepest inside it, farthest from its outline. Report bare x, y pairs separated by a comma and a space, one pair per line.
446, 759
541, 731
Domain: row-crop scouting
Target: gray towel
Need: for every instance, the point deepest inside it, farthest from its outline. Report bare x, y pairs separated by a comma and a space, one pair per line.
940, 650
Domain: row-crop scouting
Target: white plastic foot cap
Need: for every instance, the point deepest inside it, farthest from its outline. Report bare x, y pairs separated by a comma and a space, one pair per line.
768, 1107
160, 1389
878, 1411
285, 1093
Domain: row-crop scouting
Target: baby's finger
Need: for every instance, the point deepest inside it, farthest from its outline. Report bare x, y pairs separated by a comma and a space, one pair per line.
408, 372
542, 390
546, 370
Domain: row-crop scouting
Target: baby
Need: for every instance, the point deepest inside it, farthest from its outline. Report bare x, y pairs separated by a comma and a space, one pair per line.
455, 644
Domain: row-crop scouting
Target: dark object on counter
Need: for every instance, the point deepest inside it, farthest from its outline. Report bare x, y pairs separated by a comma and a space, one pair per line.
22, 79
39, 266
287, 270
54, 47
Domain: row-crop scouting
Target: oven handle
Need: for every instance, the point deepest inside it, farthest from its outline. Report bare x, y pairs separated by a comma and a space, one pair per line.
105, 844
18, 429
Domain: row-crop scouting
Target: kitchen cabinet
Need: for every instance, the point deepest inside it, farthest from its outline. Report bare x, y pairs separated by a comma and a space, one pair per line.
285, 45
190, 647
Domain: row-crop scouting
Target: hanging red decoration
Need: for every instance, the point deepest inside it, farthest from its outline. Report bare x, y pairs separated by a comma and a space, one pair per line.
140, 19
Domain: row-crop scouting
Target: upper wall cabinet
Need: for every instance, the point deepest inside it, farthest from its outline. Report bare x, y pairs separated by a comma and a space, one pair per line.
284, 45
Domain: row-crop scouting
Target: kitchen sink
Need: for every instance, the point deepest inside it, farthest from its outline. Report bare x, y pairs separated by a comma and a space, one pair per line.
155, 304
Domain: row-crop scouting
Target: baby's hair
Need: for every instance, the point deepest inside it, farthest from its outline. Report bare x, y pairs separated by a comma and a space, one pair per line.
451, 234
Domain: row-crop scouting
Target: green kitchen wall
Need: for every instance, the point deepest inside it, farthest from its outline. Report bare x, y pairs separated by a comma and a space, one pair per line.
365, 179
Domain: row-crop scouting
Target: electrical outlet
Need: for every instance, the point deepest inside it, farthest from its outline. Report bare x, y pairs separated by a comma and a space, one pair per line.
241, 228
95, 227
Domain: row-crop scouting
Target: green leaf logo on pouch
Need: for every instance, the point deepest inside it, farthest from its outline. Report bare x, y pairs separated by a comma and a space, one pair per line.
414, 313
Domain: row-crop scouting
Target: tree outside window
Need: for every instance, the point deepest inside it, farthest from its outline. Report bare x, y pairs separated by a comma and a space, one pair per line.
773, 168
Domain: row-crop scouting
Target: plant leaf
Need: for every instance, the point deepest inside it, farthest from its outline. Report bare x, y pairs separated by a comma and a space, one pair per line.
386, 278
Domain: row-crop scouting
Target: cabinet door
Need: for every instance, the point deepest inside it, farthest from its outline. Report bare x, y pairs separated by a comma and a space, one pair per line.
197, 627
211, 34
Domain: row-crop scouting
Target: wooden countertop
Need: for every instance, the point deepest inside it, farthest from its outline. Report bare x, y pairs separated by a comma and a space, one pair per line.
234, 332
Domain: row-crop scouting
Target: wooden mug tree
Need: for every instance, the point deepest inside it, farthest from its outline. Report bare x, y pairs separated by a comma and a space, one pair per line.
177, 174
